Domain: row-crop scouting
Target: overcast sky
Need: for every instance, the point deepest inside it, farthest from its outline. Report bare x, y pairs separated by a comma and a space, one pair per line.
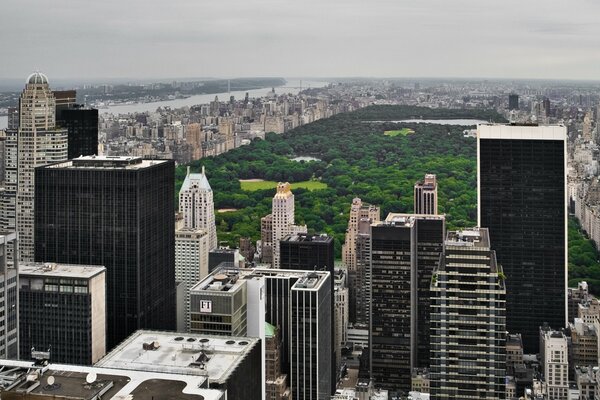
84, 39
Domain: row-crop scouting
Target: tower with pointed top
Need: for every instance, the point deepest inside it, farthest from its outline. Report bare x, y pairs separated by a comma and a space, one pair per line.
197, 206
39, 142
282, 215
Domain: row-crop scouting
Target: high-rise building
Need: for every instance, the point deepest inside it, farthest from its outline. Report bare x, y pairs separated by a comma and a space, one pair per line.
282, 216
513, 101
116, 212
340, 313
307, 252
2, 157
360, 281
266, 239
554, 356
522, 200
39, 142
8, 193
311, 355
82, 127
197, 205
468, 331
276, 384
358, 211
405, 249
9, 318
191, 263
426, 198
62, 310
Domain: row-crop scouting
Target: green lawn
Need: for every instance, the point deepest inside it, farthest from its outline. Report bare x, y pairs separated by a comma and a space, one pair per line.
403, 132
263, 185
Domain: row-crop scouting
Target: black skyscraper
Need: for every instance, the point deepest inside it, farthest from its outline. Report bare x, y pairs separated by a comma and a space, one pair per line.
116, 212
522, 200
513, 101
81, 122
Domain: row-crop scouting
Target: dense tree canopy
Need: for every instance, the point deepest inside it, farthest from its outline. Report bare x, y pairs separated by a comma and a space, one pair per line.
357, 160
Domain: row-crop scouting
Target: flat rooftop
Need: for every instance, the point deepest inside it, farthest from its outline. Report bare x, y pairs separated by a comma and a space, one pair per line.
473, 237
220, 280
398, 219
73, 381
304, 237
60, 270
521, 132
107, 162
213, 357
310, 281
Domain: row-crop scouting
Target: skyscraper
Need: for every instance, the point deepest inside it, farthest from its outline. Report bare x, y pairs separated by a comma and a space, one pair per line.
39, 142
191, 262
468, 332
404, 251
522, 200
513, 101
358, 210
360, 281
116, 212
9, 318
425, 193
282, 216
554, 354
82, 126
63, 308
311, 355
197, 205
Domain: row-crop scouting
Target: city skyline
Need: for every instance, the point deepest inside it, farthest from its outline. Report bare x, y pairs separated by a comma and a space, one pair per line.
509, 39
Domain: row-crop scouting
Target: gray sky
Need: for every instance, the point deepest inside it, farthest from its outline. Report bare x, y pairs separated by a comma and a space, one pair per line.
86, 39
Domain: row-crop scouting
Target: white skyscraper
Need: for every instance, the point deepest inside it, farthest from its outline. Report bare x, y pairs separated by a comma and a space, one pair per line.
555, 363
39, 142
197, 206
283, 219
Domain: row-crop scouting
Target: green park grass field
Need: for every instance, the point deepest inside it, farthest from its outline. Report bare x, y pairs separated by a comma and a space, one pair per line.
403, 132
251, 186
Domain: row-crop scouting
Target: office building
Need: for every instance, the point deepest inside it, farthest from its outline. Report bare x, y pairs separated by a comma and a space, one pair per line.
9, 318
513, 102
307, 252
311, 355
2, 157
82, 126
282, 217
231, 365
405, 249
276, 384
584, 345
223, 255
39, 142
191, 264
522, 200
360, 280
197, 205
425, 194
340, 313
62, 310
555, 363
577, 296
468, 331
8, 193
266, 239
116, 212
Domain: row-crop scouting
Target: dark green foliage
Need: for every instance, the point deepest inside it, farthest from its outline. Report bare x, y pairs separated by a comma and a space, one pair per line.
358, 160
584, 262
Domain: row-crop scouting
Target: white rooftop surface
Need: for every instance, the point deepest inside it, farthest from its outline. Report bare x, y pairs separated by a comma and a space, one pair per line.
136, 378
96, 162
59, 270
175, 356
521, 132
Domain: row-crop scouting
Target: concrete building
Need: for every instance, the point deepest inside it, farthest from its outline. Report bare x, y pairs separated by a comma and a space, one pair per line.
8, 192
575, 297
405, 249
311, 354
555, 363
583, 346
231, 365
116, 212
282, 215
197, 205
62, 309
522, 200
9, 298
589, 311
468, 360
276, 383
425, 194
586, 379
39, 141
340, 312
514, 353
360, 279
266, 239
513, 101
420, 380
191, 264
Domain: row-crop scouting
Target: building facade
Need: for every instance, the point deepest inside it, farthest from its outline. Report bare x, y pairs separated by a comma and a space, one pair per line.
191, 262
276, 385
282, 216
9, 297
82, 127
425, 194
116, 212
63, 311
522, 200
468, 328
197, 205
554, 355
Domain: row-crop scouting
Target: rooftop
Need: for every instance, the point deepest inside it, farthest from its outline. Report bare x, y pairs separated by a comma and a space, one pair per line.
196, 181
220, 280
107, 162
305, 237
473, 237
310, 281
88, 383
214, 357
397, 219
521, 132
59, 270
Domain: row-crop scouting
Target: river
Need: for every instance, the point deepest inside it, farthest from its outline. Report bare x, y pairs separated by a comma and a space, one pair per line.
292, 86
